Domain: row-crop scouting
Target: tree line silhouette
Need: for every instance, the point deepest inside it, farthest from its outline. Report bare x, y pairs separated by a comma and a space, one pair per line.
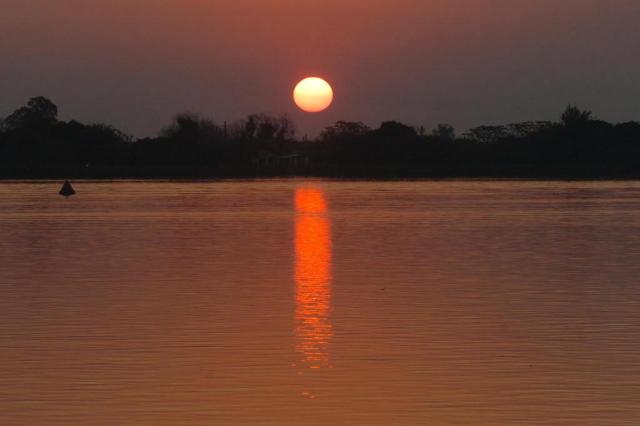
35, 143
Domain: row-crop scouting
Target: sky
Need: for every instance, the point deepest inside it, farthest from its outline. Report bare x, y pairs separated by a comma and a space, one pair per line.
136, 63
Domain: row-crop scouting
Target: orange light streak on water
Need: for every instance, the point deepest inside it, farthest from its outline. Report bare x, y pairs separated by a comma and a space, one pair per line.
313, 248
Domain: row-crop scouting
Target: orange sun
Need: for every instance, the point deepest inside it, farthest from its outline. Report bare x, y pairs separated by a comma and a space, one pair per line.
313, 94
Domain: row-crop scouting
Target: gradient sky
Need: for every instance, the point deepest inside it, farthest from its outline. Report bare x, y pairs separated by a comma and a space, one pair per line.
135, 63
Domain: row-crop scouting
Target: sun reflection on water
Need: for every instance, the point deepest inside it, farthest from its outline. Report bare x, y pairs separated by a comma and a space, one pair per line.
313, 248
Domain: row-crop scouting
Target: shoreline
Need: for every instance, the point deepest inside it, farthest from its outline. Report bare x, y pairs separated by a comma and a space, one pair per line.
338, 172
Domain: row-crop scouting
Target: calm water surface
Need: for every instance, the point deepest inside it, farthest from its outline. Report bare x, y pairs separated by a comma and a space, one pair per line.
297, 302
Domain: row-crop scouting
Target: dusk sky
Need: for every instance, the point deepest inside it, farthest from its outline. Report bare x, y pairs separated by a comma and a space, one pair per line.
135, 63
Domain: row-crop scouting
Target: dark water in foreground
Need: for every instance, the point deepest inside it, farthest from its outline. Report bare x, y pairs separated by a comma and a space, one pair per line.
315, 303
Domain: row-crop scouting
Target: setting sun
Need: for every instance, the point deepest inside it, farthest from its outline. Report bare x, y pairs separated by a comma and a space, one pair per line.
313, 94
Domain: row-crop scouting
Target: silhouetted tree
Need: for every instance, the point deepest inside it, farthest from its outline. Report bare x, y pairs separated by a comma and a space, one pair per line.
629, 131
105, 133
190, 128
188, 139
344, 131
529, 128
444, 132
394, 130
574, 116
488, 134
263, 127
37, 113
33, 138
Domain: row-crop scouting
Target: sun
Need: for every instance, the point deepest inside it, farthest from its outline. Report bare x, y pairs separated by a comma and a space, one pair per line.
313, 94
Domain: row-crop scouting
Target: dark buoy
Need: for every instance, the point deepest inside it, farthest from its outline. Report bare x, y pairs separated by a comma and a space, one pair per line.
67, 190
